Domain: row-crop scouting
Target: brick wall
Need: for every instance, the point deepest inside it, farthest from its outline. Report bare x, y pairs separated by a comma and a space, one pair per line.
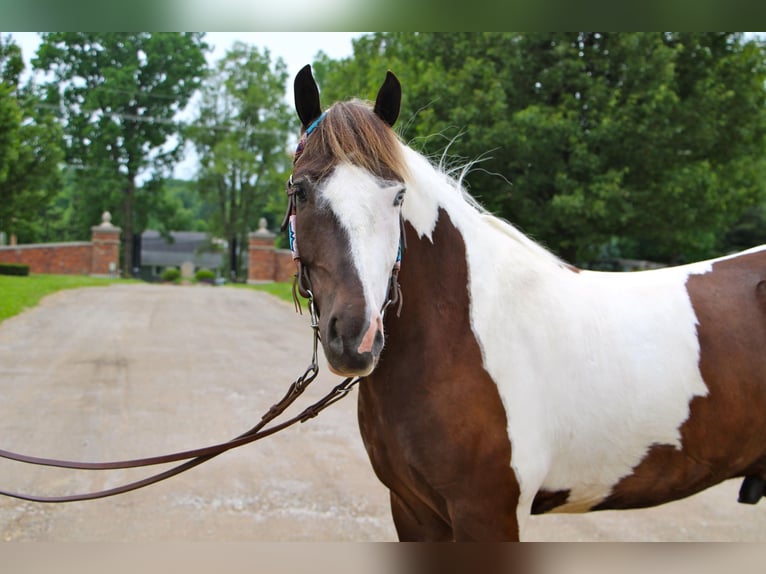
284, 265
265, 262
98, 257
61, 258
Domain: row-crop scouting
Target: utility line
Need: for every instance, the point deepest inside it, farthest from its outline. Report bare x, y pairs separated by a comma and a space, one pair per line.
178, 124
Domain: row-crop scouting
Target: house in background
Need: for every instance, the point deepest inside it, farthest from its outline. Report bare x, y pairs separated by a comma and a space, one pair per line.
189, 251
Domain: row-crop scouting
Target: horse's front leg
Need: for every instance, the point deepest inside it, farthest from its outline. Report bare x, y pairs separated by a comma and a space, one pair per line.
480, 511
415, 521
487, 514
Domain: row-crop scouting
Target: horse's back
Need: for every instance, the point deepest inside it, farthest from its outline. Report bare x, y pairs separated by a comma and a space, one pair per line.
724, 434
632, 389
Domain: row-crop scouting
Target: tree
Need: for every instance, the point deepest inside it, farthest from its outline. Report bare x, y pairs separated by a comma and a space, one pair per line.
30, 149
119, 94
652, 143
240, 135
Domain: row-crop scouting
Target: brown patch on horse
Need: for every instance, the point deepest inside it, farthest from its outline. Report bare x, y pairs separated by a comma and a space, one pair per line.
431, 417
546, 500
725, 434
352, 133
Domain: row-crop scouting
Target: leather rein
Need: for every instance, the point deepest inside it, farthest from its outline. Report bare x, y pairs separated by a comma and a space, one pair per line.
197, 456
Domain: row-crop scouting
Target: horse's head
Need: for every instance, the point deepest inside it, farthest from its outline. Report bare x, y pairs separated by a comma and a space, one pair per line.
346, 193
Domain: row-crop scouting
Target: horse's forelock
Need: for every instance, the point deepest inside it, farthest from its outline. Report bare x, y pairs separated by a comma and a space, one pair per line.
352, 133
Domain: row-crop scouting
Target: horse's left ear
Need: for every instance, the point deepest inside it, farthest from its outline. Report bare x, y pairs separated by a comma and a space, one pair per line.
306, 97
389, 99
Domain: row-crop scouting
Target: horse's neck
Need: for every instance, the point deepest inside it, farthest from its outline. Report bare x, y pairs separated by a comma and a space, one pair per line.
433, 195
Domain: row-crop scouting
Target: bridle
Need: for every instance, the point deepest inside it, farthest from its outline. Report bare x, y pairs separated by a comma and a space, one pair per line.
195, 457
302, 281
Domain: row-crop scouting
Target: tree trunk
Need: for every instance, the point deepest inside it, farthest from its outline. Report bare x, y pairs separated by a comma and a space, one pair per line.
127, 229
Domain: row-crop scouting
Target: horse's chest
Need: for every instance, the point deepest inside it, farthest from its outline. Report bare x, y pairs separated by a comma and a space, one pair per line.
436, 432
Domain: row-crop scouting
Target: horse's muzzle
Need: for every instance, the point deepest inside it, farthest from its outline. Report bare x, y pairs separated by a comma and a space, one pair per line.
352, 344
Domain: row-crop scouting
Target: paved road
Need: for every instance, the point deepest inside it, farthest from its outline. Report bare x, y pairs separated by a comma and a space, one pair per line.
129, 371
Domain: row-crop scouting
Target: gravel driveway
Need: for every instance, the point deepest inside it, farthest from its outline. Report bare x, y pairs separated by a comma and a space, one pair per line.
135, 370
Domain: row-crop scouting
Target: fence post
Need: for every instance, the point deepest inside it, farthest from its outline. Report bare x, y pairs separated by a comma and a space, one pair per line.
261, 256
106, 248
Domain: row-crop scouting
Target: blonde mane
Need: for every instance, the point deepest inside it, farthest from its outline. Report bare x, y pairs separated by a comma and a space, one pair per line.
352, 133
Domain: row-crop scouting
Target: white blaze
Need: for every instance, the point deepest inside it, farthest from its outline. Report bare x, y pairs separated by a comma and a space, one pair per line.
364, 207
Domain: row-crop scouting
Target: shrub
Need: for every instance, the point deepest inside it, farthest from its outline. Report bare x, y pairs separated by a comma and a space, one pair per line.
205, 276
171, 274
14, 269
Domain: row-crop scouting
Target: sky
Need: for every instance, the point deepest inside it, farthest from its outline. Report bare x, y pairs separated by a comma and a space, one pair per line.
296, 48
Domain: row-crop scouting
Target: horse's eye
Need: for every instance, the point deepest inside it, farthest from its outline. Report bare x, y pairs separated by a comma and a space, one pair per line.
300, 193
399, 198
297, 190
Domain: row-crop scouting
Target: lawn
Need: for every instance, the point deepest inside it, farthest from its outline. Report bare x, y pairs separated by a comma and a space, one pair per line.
19, 293
282, 290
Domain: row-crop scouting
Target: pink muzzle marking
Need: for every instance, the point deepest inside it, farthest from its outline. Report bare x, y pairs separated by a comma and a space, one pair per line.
376, 324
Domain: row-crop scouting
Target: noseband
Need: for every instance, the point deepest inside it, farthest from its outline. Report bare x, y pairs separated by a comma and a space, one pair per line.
302, 282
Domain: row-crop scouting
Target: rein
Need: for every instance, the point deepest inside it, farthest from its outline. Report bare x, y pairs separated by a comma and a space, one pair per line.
197, 456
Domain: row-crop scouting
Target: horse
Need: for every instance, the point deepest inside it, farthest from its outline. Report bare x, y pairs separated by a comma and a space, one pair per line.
506, 382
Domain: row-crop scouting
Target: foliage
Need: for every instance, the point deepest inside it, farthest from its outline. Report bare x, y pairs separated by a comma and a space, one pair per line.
640, 145
240, 136
20, 293
118, 94
204, 276
171, 275
652, 143
749, 230
18, 269
30, 149
183, 208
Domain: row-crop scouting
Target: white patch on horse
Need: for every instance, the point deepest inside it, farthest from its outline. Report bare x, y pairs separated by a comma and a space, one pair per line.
593, 368
364, 207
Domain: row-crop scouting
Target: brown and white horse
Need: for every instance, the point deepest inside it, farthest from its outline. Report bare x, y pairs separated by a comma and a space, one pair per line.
510, 382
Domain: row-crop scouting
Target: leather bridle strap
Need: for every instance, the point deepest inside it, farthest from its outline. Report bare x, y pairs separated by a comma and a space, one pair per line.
196, 457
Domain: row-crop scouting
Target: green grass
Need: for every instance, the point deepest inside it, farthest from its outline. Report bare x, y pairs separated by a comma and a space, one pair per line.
19, 293
282, 290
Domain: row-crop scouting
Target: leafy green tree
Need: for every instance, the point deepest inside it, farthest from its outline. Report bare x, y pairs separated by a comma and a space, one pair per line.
30, 149
183, 208
240, 135
651, 143
118, 94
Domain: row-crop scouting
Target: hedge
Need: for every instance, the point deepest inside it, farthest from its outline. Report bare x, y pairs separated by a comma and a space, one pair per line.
14, 269
171, 274
205, 276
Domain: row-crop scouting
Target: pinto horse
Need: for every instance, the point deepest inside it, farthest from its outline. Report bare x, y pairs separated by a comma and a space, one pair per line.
509, 382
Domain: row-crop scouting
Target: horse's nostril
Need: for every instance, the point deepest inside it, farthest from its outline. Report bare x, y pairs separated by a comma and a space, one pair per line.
334, 338
332, 328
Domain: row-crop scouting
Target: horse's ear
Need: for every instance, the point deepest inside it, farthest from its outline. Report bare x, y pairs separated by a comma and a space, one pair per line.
389, 99
306, 97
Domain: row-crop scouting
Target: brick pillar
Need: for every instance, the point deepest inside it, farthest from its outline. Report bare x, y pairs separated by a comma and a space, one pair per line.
261, 255
105, 259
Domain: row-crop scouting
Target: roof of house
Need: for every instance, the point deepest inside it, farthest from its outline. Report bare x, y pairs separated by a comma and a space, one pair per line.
186, 246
